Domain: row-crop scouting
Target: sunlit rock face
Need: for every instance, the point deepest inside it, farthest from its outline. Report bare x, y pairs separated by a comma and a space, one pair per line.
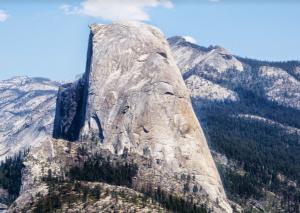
27, 108
135, 102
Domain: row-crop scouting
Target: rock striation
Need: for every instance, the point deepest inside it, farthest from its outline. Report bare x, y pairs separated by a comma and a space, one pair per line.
27, 109
133, 101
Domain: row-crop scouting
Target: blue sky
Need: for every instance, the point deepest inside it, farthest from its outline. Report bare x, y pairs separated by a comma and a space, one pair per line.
48, 38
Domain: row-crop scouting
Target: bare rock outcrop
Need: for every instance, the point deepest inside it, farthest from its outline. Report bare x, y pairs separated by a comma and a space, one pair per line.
27, 108
135, 102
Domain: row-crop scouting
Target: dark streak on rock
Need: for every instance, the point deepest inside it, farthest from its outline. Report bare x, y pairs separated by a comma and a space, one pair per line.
169, 93
145, 130
163, 54
125, 109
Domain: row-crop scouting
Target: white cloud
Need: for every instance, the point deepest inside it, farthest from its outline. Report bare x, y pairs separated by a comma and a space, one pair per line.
190, 39
116, 9
68, 9
3, 16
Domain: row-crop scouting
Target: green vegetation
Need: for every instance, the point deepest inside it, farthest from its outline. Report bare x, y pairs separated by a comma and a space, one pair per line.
67, 194
10, 175
99, 168
263, 151
173, 202
64, 192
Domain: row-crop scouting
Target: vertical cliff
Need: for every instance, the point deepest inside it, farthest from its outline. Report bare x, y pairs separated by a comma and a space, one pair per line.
133, 101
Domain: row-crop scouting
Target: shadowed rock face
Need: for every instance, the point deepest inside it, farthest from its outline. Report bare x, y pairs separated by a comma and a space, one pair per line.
135, 101
69, 111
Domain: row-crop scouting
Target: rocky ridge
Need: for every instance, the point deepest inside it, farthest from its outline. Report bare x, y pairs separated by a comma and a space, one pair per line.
216, 66
27, 107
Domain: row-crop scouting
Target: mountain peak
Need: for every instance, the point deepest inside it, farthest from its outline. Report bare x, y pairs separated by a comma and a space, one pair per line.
176, 39
133, 101
181, 41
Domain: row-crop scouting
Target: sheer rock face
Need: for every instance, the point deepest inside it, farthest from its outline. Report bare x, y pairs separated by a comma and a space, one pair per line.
68, 116
135, 101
